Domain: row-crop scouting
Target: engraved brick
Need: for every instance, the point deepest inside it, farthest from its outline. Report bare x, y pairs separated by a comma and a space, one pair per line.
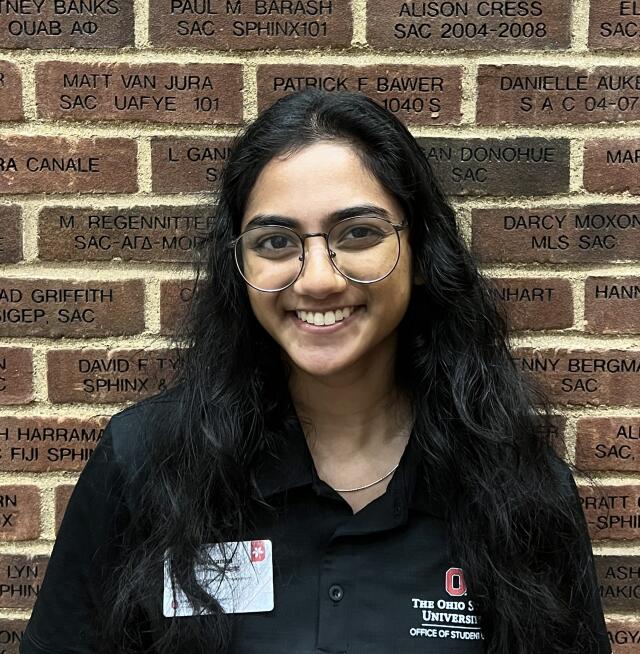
612, 165
43, 444
440, 25
10, 234
611, 511
11, 634
51, 307
614, 24
624, 636
63, 494
156, 233
619, 578
557, 95
48, 164
175, 296
583, 377
20, 579
611, 444
187, 165
16, 375
519, 166
100, 375
261, 24
10, 91
612, 305
535, 303
588, 234
159, 93
66, 24
19, 512
418, 95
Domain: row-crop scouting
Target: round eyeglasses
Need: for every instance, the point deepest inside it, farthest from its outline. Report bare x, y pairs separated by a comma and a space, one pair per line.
363, 249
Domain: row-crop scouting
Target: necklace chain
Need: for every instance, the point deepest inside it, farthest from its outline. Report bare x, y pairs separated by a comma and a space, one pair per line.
373, 483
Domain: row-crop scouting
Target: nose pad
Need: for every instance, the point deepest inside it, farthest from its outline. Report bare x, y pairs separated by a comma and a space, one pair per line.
318, 265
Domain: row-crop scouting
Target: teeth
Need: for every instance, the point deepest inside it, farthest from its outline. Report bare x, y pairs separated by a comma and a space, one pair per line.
326, 318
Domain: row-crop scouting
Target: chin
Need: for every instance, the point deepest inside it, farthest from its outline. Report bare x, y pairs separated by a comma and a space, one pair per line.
320, 366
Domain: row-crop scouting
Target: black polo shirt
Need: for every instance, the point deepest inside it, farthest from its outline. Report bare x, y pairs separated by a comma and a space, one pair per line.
374, 582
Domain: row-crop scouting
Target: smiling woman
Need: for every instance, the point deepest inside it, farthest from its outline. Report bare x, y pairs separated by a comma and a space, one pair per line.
347, 461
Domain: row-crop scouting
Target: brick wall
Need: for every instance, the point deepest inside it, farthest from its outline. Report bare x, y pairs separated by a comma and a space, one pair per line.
115, 118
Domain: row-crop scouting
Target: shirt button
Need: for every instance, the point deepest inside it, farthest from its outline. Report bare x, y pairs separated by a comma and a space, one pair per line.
397, 507
336, 592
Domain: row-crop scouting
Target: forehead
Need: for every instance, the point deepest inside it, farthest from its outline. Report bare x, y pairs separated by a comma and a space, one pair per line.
315, 182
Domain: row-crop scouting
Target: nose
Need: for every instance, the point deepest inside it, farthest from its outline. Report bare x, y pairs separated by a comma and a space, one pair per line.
318, 277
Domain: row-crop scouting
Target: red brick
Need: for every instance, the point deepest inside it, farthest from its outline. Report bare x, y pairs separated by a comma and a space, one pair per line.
11, 634
500, 167
16, 375
612, 305
584, 377
100, 375
623, 636
440, 25
159, 93
619, 578
68, 24
612, 165
20, 579
154, 233
52, 307
10, 91
63, 493
560, 95
19, 512
44, 444
587, 234
611, 511
261, 24
10, 234
188, 165
418, 95
48, 164
604, 443
175, 296
536, 303
614, 24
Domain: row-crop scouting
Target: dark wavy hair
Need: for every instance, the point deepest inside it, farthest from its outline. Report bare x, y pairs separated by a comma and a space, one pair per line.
485, 432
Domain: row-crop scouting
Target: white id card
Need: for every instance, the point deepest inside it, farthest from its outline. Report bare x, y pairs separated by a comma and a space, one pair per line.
246, 588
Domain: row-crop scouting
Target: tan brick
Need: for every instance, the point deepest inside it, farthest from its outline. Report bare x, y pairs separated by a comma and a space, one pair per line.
154, 233
19, 512
10, 92
612, 305
611, 511
11, 634
175, 296
63, 494
535, 303
100, 375
619, 578
159, 93
604, 443
612, 165
583, 377
418, 95
48, 164
614, 24
20, 579
16, 375
68, 24
46, 443
52, 307
557, 95
500, 167
624, 636
528, 25
261, 24
187, 165
563, 234
10, 234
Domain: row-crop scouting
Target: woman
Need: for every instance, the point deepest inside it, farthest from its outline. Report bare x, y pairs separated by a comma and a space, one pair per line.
348, 411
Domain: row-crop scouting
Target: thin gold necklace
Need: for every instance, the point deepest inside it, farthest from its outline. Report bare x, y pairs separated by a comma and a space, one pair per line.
373, 483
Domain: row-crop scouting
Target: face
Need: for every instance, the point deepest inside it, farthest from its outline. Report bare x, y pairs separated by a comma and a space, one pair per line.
307, 187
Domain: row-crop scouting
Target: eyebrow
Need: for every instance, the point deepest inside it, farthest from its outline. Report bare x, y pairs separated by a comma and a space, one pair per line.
269, 219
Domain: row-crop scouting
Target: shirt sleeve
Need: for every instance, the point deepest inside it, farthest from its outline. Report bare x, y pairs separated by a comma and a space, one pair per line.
65, 615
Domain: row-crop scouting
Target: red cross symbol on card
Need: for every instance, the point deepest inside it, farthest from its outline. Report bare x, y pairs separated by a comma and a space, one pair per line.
257, 551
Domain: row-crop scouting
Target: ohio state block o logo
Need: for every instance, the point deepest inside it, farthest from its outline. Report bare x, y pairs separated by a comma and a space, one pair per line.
454, 582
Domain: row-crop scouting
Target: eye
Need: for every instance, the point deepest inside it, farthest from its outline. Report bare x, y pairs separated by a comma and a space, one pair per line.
274, 242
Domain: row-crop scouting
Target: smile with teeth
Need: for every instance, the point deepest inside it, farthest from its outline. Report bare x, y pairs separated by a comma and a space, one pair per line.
326, 317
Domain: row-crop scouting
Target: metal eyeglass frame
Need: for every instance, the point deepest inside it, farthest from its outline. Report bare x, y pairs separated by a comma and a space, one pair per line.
302, 238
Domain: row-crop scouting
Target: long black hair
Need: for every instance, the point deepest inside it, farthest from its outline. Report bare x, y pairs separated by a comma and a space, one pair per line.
484, 431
